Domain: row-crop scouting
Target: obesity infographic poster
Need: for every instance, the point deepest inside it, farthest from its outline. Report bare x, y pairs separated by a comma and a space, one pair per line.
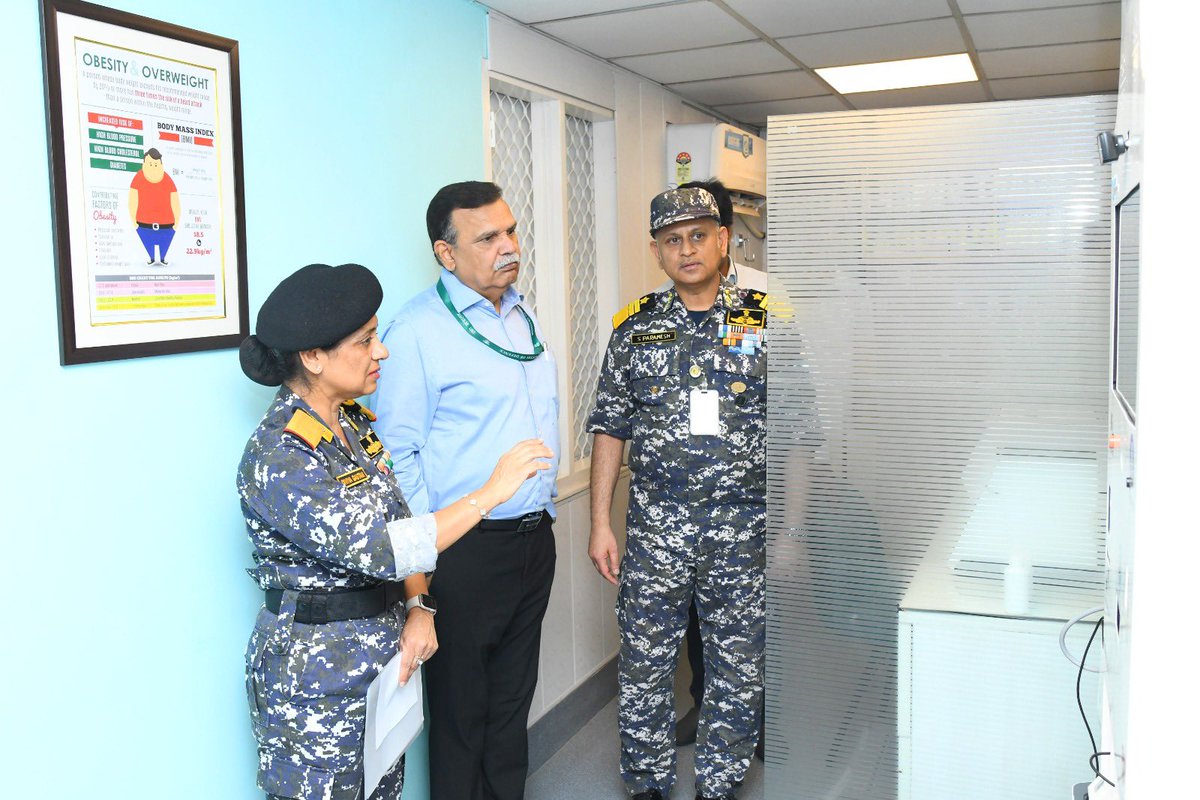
151, 185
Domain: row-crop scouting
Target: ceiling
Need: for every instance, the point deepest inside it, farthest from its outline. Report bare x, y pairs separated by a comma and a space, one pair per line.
748, 59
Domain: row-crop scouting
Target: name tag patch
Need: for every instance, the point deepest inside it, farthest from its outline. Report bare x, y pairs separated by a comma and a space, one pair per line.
353, 477
653, 337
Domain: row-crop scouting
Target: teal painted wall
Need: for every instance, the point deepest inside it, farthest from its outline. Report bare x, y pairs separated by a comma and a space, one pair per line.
124, 608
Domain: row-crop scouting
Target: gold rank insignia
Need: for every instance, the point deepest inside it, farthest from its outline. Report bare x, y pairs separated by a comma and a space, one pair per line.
750, 317
353, 477
307, 429
641, 304
371, 444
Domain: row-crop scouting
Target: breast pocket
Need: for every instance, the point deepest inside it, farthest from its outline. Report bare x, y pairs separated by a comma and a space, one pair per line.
741, 380
650, 376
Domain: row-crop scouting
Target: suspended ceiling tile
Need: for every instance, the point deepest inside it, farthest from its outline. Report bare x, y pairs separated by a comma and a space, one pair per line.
710, 62
1055, 85
984, 6
1083, 57
920, 96
650, 30
798, 17
755, 114
936, 37
531, 11
751, 88
1051, 26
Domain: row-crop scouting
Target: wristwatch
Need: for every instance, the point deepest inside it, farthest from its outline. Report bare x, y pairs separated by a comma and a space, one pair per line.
424, 601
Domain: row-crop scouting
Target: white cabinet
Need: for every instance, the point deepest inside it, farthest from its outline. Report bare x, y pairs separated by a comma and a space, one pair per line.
986, 708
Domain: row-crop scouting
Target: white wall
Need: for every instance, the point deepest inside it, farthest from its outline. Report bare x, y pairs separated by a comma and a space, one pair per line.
1163, 697
579, 634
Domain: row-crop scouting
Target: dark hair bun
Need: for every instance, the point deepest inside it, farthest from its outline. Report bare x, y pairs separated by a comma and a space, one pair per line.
260, 364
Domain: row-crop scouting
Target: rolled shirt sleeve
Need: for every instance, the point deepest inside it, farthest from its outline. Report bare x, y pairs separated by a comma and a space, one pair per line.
292, 491
414, 544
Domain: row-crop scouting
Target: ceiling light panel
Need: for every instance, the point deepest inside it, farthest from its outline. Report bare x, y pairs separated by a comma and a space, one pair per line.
883, 43
650, 30
886, 75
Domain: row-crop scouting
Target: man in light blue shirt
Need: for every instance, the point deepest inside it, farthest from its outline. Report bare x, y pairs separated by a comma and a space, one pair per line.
469, 376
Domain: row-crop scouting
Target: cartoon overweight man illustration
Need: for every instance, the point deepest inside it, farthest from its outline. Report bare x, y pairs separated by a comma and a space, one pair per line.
154, 206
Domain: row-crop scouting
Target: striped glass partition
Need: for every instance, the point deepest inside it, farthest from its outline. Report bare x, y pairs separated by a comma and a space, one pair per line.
937, 416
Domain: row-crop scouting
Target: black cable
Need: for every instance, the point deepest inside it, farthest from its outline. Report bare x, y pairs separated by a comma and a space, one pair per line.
1094, 758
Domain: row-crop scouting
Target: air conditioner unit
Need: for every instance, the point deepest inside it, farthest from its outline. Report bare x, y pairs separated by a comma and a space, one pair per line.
738, 159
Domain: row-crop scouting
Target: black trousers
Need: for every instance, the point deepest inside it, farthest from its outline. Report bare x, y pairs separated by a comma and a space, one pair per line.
492, 588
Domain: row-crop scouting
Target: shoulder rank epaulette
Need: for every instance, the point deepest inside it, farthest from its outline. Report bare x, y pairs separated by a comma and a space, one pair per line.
756, 299
307, 429
641, 304
354, 405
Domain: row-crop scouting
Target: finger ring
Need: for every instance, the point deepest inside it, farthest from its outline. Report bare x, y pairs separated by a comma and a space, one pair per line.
419, 661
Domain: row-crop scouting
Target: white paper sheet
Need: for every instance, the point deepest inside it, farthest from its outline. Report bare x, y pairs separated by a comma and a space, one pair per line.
394, 718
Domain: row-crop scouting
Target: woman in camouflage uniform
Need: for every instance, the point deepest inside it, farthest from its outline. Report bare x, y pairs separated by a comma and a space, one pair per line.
333, 536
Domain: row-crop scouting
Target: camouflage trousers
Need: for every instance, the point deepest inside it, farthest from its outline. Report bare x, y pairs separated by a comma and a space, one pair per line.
307, 688
657, 586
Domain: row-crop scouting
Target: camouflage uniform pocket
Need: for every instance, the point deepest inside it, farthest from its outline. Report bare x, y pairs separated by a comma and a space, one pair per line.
256, 648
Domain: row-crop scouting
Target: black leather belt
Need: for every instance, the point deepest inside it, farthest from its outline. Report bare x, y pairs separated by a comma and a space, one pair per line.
157, 225
519, 524
337, 604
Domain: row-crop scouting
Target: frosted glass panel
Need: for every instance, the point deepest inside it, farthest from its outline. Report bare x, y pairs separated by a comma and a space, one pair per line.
936, 432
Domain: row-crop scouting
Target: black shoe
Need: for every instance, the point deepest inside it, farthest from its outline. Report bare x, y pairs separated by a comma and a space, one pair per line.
729, 796
164, 263
685, 729
653, 794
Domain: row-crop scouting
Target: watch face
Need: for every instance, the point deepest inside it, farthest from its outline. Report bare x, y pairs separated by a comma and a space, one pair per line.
427, 602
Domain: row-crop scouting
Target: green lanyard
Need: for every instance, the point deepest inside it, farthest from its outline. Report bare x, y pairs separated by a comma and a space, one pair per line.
538, 347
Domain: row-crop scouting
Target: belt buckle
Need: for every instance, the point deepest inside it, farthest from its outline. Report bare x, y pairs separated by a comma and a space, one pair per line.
318, 606
530, 521
154, 225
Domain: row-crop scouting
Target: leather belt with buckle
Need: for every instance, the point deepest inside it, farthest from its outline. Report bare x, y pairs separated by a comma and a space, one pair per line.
523, 524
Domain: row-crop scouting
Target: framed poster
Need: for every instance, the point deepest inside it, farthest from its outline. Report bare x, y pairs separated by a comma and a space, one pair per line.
146, 182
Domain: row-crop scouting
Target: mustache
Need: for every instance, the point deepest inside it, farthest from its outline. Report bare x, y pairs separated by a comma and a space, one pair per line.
504, 260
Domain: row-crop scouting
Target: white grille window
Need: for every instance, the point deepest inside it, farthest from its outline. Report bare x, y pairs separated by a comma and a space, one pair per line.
581, 275
512, 171
545, 152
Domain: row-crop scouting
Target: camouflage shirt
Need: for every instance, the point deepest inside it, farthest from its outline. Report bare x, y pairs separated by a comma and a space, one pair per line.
321, 516
689, 490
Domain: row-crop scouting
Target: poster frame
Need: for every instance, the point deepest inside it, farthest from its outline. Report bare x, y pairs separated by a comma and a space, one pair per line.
154, 37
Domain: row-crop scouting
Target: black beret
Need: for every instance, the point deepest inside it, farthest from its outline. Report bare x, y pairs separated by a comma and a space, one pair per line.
315, 306
318, 306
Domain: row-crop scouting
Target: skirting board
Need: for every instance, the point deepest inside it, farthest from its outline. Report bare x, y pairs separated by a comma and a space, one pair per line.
554, 728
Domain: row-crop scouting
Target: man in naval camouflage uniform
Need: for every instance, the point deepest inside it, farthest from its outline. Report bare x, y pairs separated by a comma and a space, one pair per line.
684, 381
